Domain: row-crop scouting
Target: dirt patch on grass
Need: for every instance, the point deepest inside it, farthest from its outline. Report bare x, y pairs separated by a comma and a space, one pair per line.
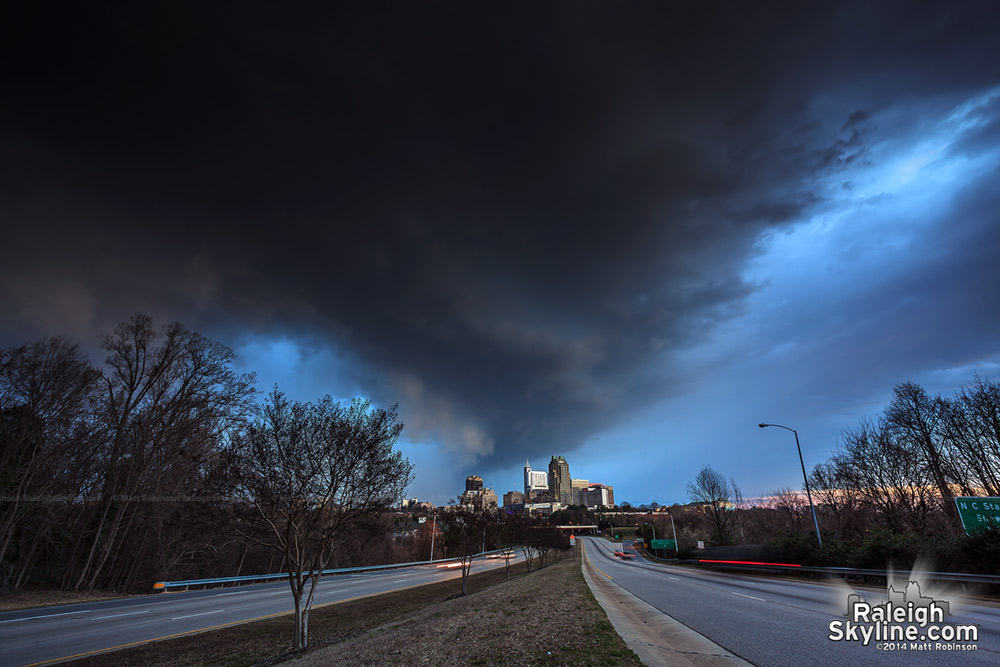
547, 617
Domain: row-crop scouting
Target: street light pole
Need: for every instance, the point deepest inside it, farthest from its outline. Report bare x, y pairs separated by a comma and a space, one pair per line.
804, 478
434, 526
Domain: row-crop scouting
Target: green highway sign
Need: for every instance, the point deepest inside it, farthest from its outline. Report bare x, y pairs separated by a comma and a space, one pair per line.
978, 514
662, 544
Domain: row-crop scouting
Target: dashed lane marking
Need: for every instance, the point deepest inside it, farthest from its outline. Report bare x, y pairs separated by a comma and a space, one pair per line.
33, 618
748, 596
131, 613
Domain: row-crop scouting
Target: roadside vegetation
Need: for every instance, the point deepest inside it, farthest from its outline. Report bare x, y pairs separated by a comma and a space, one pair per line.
432, 624
163, 465
884, 499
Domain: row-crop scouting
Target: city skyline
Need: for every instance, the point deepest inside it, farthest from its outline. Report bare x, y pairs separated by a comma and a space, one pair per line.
626, 233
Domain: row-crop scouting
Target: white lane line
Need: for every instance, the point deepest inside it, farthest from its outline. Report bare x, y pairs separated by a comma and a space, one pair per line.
748, 596
234, 593
279, 593
131, 613
204, 613
674, 578
32, 618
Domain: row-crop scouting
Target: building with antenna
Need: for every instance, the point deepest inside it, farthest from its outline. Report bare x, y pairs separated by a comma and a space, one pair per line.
534, 480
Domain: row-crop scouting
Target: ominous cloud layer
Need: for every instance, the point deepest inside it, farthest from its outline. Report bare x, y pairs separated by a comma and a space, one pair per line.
525, 225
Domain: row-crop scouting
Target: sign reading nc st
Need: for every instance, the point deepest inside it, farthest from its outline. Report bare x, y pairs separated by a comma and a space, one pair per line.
978, 514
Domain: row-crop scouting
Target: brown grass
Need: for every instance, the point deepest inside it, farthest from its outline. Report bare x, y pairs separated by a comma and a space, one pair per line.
547, 617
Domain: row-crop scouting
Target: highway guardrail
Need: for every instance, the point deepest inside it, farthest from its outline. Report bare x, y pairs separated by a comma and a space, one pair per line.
962, 577
222, 581
786, 568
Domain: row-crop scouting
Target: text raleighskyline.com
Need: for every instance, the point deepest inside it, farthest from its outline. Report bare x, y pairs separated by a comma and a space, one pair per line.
902, 627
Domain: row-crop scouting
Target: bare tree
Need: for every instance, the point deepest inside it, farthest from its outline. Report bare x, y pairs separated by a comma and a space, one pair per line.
308, 473
546, 539
522, 525
466, 528
47, 398
786, 511
920, 419
972, 427
505, 533
168, 400
841, 500
721, 499
886, 471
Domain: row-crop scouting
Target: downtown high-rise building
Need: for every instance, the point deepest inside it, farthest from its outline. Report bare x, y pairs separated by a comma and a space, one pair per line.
534, 480
560, 484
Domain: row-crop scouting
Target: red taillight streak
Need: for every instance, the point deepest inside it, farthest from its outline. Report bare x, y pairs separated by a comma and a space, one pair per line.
749, 562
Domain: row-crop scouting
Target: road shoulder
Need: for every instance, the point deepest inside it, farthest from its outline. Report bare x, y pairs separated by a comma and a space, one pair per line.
655, 637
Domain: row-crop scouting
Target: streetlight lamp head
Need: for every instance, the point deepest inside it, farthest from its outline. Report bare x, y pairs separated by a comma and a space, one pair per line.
762, 425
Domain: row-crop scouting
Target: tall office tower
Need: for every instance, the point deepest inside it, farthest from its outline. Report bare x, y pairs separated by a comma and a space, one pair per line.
560, 485
534, 480
473, 483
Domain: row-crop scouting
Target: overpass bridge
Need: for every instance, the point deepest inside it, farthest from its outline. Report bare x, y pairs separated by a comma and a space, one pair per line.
580, 530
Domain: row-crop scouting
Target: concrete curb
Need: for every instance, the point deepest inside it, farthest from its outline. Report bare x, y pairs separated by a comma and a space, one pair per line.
655, 637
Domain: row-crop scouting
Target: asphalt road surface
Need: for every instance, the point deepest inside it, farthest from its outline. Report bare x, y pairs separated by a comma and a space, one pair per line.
782, 623
40, 635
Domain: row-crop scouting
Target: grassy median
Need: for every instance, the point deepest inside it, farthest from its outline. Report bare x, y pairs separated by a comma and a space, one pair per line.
545, 617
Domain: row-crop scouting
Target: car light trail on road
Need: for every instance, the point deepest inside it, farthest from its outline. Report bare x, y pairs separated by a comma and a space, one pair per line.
749, 562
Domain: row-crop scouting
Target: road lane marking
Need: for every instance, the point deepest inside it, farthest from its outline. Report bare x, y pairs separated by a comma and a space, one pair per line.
591, 564
674, 578
204, 613
33, 618
215, 627
234, 593
748, 596
131, 613
150, 641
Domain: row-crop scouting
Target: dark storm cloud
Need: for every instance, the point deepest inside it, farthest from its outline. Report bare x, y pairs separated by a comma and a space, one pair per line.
504, 218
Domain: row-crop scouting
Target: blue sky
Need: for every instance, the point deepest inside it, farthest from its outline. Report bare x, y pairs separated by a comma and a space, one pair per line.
625, 235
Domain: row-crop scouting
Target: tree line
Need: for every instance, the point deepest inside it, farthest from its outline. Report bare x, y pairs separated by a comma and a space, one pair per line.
887, 492
472, 530
161, 464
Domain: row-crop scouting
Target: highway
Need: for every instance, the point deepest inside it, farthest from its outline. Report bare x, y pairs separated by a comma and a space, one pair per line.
781, 623
48, 634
